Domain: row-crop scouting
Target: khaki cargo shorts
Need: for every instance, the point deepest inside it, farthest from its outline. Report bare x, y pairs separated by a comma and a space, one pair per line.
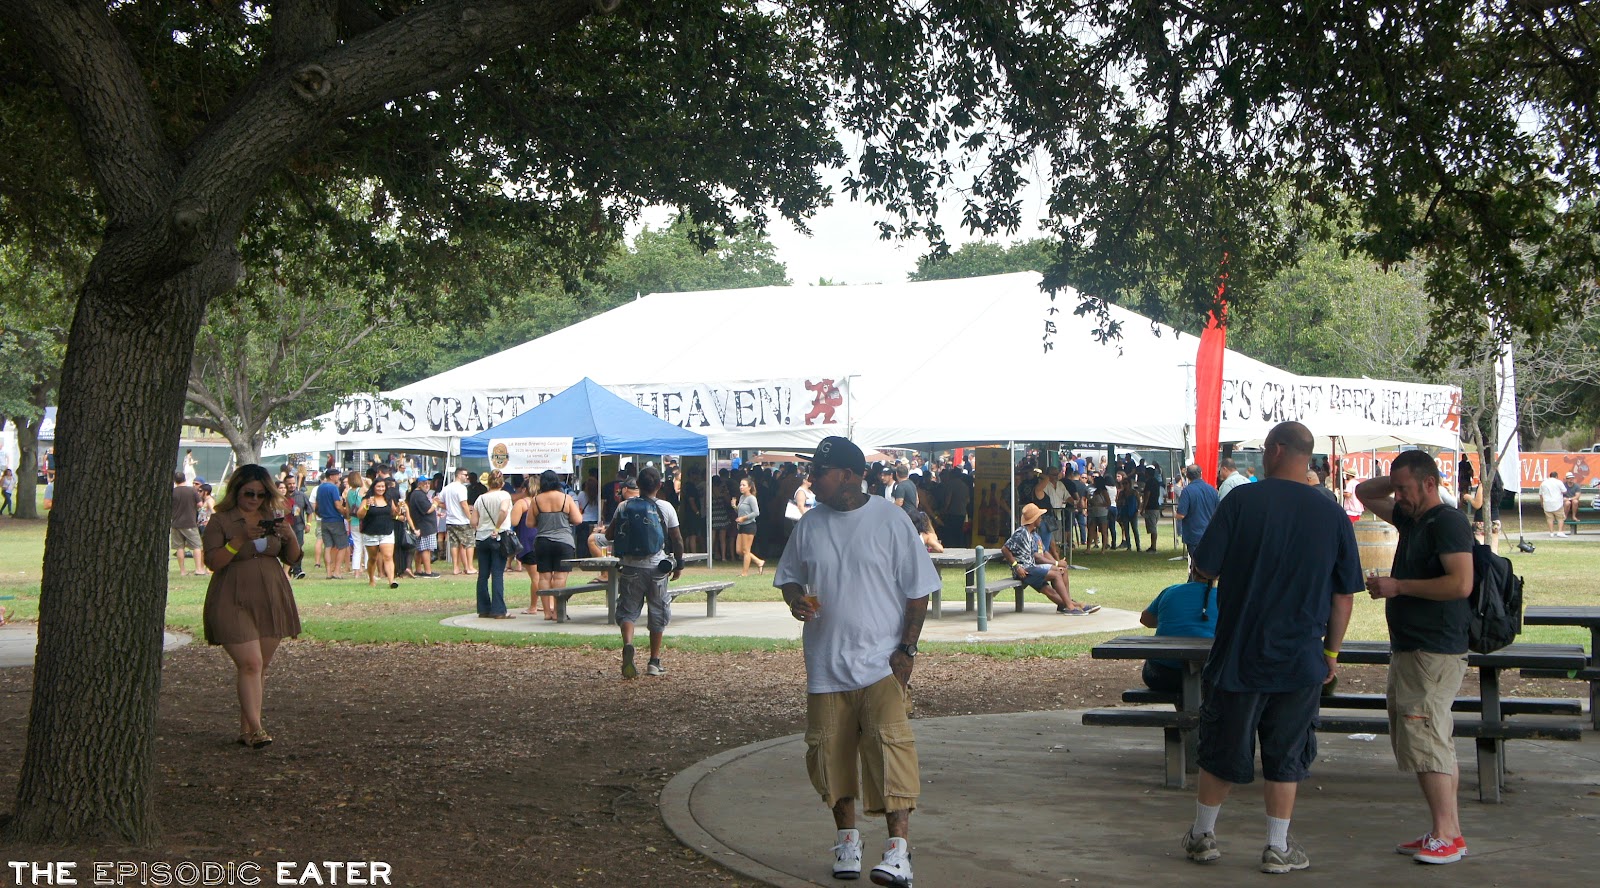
870, 727
1422, 687
186, 538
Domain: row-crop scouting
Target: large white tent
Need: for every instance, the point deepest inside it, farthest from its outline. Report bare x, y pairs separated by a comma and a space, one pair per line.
941, 362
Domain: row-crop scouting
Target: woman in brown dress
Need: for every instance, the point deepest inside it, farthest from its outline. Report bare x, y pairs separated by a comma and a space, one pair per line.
249, 605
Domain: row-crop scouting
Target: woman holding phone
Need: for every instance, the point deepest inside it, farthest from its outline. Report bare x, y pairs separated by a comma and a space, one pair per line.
249, 603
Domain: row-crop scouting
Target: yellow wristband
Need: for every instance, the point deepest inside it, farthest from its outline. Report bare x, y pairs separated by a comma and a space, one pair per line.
1328, 653
230, 548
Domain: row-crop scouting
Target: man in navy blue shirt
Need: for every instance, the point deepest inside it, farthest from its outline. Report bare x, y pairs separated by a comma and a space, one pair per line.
1286, 564
1196, 505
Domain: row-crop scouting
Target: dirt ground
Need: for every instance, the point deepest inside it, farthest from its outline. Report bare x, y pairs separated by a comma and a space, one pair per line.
479, 765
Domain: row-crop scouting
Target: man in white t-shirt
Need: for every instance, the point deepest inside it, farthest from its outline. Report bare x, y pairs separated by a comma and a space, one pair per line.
1231, 478
459, 519
858, 575
1552, 498
642, 581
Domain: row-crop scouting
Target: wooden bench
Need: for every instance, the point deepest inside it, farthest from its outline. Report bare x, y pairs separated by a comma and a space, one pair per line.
995, 587
1175, 724
1575, 524
1508, 705
711, 590
562, 595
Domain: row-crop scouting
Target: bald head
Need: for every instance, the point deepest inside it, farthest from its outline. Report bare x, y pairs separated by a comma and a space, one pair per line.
1292, 435
1286, 454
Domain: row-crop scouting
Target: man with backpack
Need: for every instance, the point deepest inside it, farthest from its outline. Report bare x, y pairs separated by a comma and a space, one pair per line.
1429, 617
643, 530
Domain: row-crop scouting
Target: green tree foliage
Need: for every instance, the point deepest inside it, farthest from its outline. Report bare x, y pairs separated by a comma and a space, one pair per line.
984, 257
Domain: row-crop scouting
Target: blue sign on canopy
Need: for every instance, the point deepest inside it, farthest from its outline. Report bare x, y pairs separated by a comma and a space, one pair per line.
597, 421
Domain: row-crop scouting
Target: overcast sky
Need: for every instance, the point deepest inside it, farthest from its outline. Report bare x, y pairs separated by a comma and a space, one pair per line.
844, 245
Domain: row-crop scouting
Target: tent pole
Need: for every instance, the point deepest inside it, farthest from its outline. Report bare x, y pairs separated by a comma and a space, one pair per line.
705, 506
1011, 449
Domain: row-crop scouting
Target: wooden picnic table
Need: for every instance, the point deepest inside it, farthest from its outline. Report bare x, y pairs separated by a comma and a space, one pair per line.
609, 563
1574, 615
965, 559
1491, 726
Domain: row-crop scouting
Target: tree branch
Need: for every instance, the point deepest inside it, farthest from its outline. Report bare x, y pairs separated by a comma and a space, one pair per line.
434, 46
272, 404
99, 80
301, 28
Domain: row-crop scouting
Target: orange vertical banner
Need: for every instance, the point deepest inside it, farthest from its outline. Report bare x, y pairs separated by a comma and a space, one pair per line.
1208, 384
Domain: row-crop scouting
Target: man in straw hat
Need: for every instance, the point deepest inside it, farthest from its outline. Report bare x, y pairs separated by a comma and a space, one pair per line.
1034, 566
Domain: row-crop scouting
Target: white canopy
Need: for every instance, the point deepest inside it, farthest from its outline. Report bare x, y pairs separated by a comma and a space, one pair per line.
934, 363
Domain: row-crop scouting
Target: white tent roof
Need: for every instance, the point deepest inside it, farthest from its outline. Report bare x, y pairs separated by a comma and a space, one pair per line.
940, 362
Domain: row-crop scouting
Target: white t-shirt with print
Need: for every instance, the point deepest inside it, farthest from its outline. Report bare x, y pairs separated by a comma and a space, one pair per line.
454, 497
863, 565
1551, 494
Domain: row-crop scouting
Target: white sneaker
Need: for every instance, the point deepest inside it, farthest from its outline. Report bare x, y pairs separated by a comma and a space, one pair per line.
847, 855
895, 870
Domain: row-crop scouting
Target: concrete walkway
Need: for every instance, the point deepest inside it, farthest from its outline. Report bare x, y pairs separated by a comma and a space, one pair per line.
1038, 799
18, 640
771, 619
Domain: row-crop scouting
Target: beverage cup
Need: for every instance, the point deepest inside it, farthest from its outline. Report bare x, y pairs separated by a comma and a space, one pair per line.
813, 602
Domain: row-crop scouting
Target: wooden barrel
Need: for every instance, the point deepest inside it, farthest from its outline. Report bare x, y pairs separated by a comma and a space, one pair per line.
1376, 540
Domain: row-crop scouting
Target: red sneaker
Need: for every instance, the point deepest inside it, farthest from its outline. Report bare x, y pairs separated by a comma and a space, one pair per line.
1410, 848
1440, 851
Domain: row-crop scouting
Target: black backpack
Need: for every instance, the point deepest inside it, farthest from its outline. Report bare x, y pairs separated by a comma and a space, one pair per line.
1496, 601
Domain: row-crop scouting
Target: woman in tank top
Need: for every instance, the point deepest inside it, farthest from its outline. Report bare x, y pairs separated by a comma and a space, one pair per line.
554, 516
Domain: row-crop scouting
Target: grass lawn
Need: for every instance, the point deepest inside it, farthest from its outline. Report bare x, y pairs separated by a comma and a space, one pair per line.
350, 611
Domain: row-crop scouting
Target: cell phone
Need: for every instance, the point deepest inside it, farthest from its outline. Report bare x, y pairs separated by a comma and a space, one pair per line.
269, 524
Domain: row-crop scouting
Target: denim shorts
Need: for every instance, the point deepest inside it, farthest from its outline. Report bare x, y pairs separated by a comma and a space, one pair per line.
1036, 577
1285, 723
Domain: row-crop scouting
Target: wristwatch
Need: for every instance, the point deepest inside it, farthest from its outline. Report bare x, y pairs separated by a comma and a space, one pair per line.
909, 650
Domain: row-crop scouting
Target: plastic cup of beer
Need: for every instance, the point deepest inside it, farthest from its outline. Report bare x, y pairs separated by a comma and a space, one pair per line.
812, 602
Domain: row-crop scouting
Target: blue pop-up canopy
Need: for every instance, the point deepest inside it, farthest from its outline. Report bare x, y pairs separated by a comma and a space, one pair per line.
597, 421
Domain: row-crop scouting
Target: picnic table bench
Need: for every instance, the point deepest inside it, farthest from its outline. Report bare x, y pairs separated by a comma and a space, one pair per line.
967, 560
611, 586
1489, 730
1576, 524
1588, 617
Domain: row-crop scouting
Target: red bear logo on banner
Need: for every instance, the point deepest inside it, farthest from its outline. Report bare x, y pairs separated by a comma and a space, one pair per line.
825, 399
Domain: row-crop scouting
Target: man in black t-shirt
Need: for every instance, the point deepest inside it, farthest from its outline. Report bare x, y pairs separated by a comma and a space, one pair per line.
1287, 567
1428, 613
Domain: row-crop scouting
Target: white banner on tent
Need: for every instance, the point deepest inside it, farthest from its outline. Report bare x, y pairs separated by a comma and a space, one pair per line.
706, 407
1253, 401
531, 455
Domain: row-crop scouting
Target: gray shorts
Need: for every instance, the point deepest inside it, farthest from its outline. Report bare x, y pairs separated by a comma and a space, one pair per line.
638, 585
335, 535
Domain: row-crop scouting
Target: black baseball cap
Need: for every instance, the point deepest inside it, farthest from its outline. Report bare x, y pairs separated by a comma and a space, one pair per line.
839, 453
330, 472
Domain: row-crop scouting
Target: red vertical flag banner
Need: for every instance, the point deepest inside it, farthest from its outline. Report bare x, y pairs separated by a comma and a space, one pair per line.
1208, 384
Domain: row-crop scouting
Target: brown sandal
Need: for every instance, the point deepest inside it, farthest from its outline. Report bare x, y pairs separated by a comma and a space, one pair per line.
260, 739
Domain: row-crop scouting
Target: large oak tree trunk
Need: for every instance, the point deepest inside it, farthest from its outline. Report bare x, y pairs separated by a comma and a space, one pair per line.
88, 764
